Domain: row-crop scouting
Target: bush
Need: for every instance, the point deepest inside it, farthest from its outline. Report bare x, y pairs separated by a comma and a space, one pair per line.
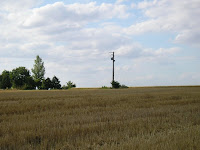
115, 84
105, 87
123, 86
65, 87
69, 85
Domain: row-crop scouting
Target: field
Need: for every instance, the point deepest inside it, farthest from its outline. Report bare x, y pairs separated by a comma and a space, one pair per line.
154, 118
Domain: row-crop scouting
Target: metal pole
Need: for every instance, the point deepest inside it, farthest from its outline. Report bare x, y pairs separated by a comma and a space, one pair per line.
113, 59
113, 72
113, 66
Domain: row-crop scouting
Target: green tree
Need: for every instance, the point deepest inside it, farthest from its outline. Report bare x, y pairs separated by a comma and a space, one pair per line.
22, 79
38, 71
5, 81
56, 83
47, 84
70, 84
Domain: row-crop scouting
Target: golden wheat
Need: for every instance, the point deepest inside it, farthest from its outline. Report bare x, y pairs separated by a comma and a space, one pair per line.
135, 118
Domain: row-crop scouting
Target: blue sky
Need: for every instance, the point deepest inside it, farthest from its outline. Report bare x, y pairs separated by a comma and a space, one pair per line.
156, 42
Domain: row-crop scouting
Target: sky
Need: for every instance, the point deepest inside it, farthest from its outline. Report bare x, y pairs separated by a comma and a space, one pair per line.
156, 42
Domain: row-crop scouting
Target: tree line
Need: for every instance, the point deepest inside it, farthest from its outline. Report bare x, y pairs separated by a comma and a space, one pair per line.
21, 78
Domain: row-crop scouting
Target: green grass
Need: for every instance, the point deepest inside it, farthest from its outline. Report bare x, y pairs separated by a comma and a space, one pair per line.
135, 118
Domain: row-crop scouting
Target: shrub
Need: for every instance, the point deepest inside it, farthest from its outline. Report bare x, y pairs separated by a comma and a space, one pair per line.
123, 86
65, 87
115, 84
105, 87
69, 85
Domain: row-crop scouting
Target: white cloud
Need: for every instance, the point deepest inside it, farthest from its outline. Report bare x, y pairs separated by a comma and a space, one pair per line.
190, 37
73, 14
176, 16
19, 5
135, 51
143, 27
146, 4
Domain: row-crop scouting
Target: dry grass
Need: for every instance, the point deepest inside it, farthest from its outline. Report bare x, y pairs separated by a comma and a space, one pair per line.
135, 118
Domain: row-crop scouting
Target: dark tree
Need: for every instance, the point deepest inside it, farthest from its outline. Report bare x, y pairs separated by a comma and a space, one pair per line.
1, 82
56, 83
47, 84
30, 84
5, 81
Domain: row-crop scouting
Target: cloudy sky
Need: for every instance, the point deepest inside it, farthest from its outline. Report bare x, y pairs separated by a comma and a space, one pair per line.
156, 42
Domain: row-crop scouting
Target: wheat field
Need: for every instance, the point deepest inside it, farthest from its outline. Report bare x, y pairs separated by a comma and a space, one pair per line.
154, 118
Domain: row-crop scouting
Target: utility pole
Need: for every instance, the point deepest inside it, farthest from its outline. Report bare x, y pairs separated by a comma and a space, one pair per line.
113, 59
